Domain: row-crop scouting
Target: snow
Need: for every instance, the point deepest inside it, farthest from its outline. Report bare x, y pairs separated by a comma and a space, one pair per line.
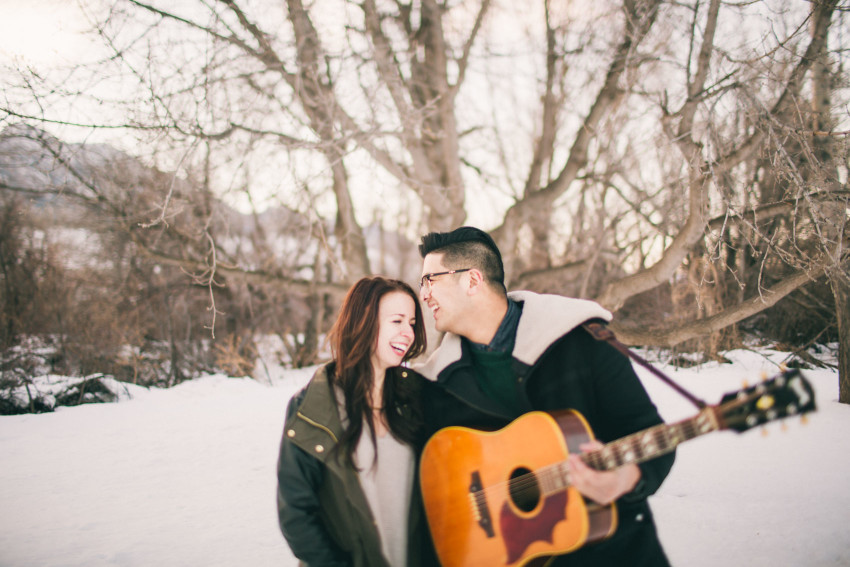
186, 477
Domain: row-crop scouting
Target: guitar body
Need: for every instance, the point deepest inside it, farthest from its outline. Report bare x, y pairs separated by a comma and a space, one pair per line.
486, 504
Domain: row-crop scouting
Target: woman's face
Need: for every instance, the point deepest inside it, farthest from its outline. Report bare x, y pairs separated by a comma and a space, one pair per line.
396, 318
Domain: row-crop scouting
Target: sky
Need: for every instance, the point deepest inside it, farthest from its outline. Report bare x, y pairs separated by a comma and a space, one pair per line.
186, 477
42, 31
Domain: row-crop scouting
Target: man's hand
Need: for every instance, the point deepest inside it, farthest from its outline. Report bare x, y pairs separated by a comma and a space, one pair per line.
603, 487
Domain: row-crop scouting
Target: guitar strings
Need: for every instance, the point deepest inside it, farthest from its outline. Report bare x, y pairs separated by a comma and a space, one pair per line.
521, 485
534, 480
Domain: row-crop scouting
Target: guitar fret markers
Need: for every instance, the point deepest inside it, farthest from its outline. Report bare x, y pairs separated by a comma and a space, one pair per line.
651, 443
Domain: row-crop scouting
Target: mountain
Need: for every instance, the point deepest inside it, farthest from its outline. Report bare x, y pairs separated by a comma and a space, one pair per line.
103, 191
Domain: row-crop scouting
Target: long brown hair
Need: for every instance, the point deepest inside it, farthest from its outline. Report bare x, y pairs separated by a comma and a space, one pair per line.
352, 339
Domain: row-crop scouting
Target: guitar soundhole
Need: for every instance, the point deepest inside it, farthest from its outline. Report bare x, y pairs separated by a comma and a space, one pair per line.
524, 490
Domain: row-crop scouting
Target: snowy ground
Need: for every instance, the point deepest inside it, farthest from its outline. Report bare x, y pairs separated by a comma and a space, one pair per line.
185, 477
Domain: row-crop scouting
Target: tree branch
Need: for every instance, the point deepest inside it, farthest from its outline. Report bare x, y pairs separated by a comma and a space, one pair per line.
636, 335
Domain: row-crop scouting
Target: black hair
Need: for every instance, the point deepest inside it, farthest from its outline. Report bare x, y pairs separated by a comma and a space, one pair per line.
468, 247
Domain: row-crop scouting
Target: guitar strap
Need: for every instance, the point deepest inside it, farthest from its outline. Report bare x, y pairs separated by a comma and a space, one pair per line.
601, 332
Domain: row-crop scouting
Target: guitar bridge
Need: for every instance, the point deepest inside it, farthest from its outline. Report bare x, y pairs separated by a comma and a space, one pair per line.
478, 500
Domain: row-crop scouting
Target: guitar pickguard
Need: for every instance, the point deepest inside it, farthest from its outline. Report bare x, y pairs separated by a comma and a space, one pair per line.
519, 532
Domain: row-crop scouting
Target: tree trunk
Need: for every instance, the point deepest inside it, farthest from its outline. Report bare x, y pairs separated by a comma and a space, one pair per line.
831, 213
841, 292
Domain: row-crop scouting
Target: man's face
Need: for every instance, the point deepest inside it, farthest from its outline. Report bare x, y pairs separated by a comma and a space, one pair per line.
444, 295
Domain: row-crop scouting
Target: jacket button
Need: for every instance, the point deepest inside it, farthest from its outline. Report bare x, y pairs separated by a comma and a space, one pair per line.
290, 433
320, 449
404, 374
639, 517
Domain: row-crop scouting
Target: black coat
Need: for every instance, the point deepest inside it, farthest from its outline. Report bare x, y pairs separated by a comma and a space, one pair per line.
558, 365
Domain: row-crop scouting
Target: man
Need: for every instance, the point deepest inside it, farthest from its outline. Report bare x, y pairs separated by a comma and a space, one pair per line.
505, 354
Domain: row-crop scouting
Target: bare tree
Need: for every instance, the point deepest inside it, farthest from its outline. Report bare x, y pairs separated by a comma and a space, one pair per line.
830, 212
645, 147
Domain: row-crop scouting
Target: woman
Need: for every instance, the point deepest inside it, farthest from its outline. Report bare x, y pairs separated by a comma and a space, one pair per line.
346, 488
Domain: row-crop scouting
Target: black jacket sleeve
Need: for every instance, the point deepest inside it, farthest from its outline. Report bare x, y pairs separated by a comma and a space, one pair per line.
299, 477
625, 408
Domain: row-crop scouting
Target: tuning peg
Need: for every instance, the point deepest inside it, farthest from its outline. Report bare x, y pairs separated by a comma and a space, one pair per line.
783, 367
745, 384
764, 432
763, 375
804, 419
784, 426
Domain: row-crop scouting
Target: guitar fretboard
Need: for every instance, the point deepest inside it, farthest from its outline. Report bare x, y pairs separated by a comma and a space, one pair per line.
636, 448
650, 443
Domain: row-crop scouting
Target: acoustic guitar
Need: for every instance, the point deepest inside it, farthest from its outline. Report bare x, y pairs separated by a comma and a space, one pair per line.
504, 498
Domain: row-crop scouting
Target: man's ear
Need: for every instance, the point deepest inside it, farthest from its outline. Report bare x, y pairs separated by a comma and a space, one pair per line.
476, 282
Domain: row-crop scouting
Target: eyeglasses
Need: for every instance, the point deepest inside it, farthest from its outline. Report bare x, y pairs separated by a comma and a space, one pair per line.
429, 278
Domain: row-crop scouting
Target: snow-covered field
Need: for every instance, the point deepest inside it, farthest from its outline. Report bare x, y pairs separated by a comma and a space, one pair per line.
186, 477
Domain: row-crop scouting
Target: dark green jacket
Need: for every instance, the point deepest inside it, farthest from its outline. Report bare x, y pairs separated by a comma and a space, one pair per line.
322, 509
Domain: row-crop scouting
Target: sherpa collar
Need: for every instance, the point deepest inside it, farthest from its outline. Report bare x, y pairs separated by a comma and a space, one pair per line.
545, 318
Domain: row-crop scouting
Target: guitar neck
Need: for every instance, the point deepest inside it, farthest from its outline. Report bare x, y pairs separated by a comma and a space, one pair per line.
636, 448
786, 394
651, 443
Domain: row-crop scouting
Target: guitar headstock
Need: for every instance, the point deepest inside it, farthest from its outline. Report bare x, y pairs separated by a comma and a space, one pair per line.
786, 394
